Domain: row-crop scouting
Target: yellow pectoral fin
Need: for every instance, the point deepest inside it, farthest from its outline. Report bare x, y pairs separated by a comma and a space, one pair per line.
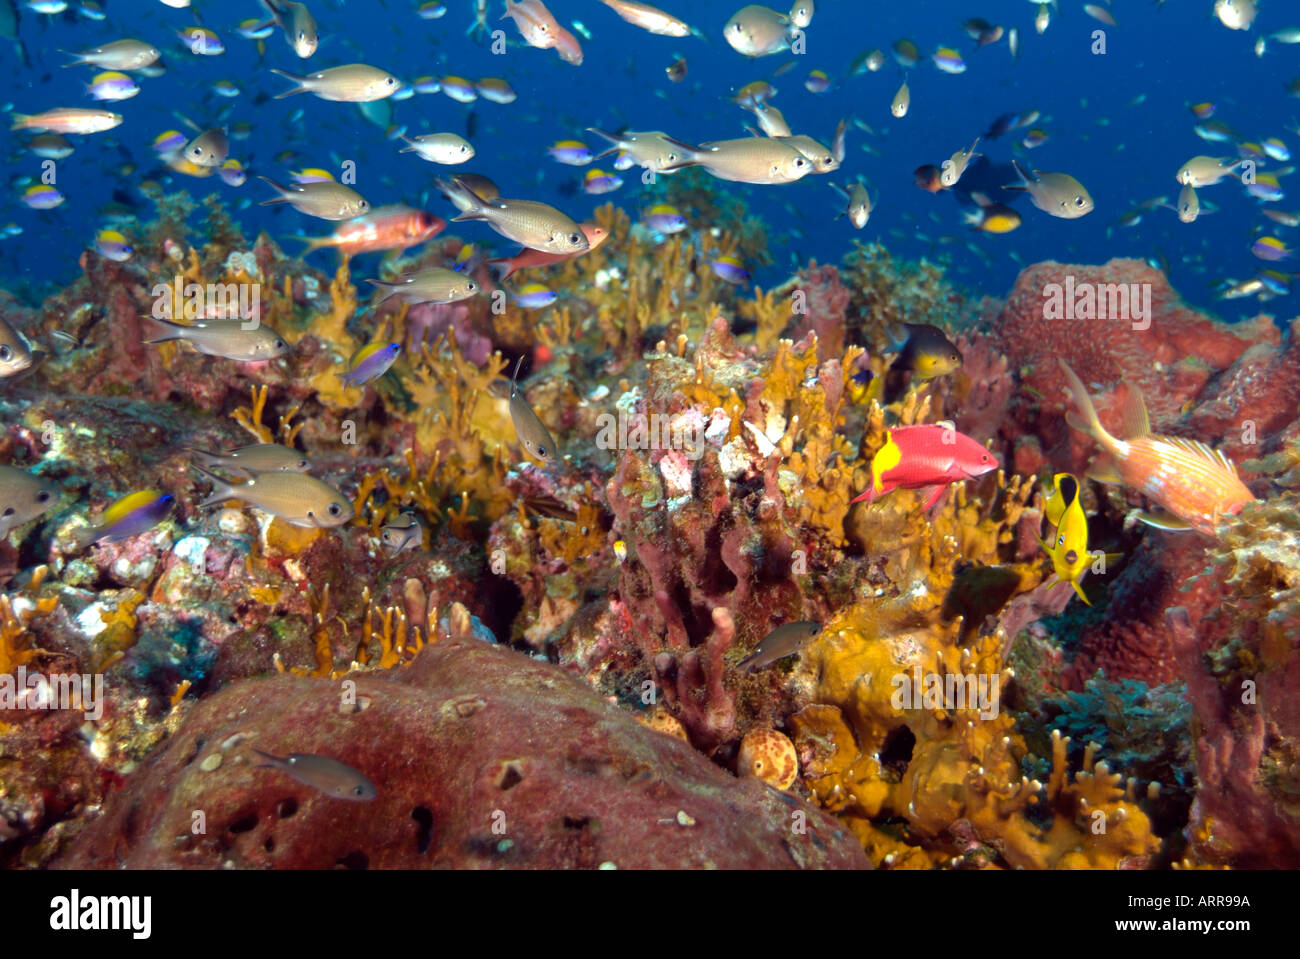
1163, 521
1079, 589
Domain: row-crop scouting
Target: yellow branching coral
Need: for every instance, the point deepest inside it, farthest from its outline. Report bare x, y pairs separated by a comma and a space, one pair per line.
250, 418
463, 422
16, 614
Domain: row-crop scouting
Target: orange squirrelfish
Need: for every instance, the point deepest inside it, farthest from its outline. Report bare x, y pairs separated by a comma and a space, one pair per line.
525, 258
1197, 485
387, 228
539, 28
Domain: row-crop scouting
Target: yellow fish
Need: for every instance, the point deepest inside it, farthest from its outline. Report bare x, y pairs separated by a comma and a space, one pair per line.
1069, 549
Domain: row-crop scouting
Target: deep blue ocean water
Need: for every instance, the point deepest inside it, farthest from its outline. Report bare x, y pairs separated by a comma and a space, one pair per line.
1119, 122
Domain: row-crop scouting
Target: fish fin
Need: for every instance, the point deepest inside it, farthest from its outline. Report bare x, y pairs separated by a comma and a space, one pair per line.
1136, 422
314, 243
272, 762
20, 118
1087, 422
221, 490
1202, 451
300, 88
981, 199
1079, 589
203, 457
867, 495
1162, 521
934, 494
1104, 470
164, 331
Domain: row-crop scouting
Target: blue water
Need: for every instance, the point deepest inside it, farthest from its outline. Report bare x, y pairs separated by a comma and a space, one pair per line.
1123, 151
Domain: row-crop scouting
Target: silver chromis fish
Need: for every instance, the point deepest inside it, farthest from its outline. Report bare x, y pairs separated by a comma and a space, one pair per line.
532, 432
433, 284
902, 101
401, 533
954, 167
535, 225
23, 497
228, 339
1059, 194
258, 458
651, 149
350, 83
208, 149
297, 23
858, 204
333, 778
757, 31
326, 200
296, 498
783, 641
747, 160
15, 354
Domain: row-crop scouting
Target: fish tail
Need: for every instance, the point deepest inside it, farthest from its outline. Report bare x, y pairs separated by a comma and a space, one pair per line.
1087, 422
221, 490
691, 155
203, 457
21, 120
300, 88
505, 265
162, 331
281, 191
272, 762
1024, 178
313, 243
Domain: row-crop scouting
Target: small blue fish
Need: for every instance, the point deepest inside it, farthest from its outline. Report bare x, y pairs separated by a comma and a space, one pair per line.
371, 362
129, 516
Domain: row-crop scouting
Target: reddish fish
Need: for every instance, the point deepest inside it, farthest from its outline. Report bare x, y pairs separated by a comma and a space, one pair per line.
927, 457
525, 258
539, 28
387, 228
1197, 485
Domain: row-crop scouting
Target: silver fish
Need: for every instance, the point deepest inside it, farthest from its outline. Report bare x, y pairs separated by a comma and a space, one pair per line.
652, 149
208, 149
258, 458
434, 284
350, 83
15, 354
297, 23
23, 497
124, 54
535, 225
402, 533
327, 200
532, 432
333, 778
224, 338
782, 641
1059, 194
747, 160
296, 498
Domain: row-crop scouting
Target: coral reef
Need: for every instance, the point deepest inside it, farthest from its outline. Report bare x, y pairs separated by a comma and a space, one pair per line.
954, 711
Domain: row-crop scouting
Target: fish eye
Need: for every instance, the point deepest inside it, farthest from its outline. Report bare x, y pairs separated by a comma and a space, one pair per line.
1078, 201
43, 496
302, 464
574, 238
6, 353
358, 790
390, 80
541, 452
335, 509
9, 511
281, 344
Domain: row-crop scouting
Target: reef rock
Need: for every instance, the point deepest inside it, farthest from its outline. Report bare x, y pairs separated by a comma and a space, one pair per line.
482, 758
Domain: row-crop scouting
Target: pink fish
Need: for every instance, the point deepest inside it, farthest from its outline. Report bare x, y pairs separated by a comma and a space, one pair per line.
1196, 484
539, 28
927, 457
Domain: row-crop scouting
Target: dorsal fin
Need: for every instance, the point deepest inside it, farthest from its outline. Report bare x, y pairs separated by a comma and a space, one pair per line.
1134, 420
1203, 451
